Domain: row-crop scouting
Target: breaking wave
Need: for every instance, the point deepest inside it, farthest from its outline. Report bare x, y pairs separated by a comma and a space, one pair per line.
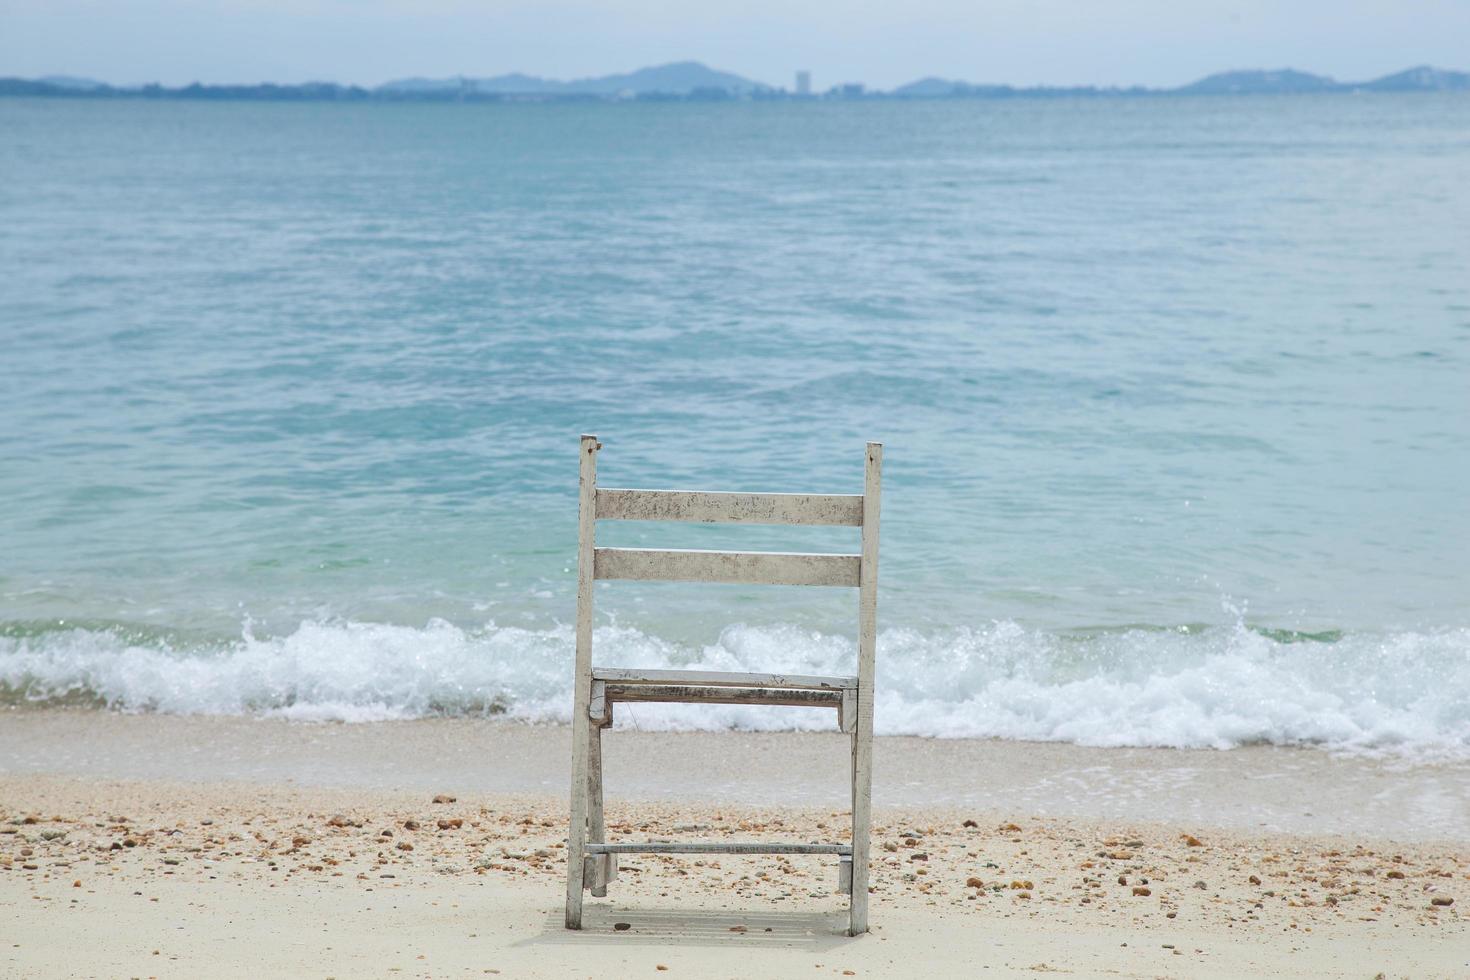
1406, 693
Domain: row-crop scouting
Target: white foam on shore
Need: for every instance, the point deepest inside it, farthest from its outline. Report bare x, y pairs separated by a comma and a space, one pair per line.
1406, 693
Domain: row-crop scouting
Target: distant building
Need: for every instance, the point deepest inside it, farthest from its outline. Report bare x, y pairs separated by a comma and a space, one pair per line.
803, 83
852, 90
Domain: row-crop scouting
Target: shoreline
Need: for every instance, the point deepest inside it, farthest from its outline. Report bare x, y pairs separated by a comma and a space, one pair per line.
1256, 789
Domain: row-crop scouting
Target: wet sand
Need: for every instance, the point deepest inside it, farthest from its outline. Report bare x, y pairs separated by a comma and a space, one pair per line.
1266, 789
289, 850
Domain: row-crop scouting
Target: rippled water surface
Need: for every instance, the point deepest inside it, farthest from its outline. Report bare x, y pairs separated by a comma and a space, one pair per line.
1175, 396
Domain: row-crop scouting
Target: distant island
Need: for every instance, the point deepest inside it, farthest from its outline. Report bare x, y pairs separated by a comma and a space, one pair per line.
690, 81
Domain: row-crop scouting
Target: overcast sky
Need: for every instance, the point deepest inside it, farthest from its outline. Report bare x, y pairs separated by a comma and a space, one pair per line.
1027, 42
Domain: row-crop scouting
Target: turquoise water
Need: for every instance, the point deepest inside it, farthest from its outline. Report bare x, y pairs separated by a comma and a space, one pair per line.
1175, 396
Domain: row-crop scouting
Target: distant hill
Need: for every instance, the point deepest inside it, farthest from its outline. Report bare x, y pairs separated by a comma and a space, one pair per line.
516, 82
71, 82
931, 88
410, 86
678, 78
1421, 79
1284, 81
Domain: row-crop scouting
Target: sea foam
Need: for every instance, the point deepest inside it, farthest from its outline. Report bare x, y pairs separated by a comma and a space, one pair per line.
1405, 693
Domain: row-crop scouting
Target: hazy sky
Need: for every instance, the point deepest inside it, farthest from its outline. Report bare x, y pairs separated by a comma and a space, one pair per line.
1151, 42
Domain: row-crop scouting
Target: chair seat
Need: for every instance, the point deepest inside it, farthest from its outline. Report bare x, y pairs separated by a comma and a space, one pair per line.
613, 684
711, 678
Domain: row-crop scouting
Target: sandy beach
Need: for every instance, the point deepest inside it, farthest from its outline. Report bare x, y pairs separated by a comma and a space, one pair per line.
1067, 409
215, 872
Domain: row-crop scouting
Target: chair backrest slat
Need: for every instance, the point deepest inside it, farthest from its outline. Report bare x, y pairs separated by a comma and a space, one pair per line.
711, 507
749, 567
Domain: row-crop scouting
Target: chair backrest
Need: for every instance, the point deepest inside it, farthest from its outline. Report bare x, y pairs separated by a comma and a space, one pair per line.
859, 571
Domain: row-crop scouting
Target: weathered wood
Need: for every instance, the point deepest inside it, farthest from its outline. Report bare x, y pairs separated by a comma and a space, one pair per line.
582, 678
591, 861
708, 507
720, 678
716, 847
862, 759
724, 695
748, 567
847, 711
597, 704
596, 826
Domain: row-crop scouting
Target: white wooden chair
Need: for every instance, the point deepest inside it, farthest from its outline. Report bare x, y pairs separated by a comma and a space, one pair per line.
591, 859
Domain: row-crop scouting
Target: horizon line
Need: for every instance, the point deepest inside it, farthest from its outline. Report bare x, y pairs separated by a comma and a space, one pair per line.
69, 81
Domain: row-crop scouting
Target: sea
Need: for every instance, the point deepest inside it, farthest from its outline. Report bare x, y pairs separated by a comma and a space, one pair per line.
1174, 394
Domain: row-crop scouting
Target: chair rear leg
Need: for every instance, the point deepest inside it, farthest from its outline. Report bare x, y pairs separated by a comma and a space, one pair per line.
862, 784
596, 825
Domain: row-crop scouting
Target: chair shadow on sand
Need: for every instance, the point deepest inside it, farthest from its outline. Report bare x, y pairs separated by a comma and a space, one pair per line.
814, 931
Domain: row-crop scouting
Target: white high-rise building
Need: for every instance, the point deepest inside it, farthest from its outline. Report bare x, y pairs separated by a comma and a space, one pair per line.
803, 83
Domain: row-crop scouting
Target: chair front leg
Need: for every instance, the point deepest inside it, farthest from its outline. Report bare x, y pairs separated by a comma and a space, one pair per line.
597, 826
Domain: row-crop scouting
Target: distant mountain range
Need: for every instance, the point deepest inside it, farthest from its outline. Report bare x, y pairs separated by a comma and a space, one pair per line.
71, 82
679, 78
690, 80
1286, 81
